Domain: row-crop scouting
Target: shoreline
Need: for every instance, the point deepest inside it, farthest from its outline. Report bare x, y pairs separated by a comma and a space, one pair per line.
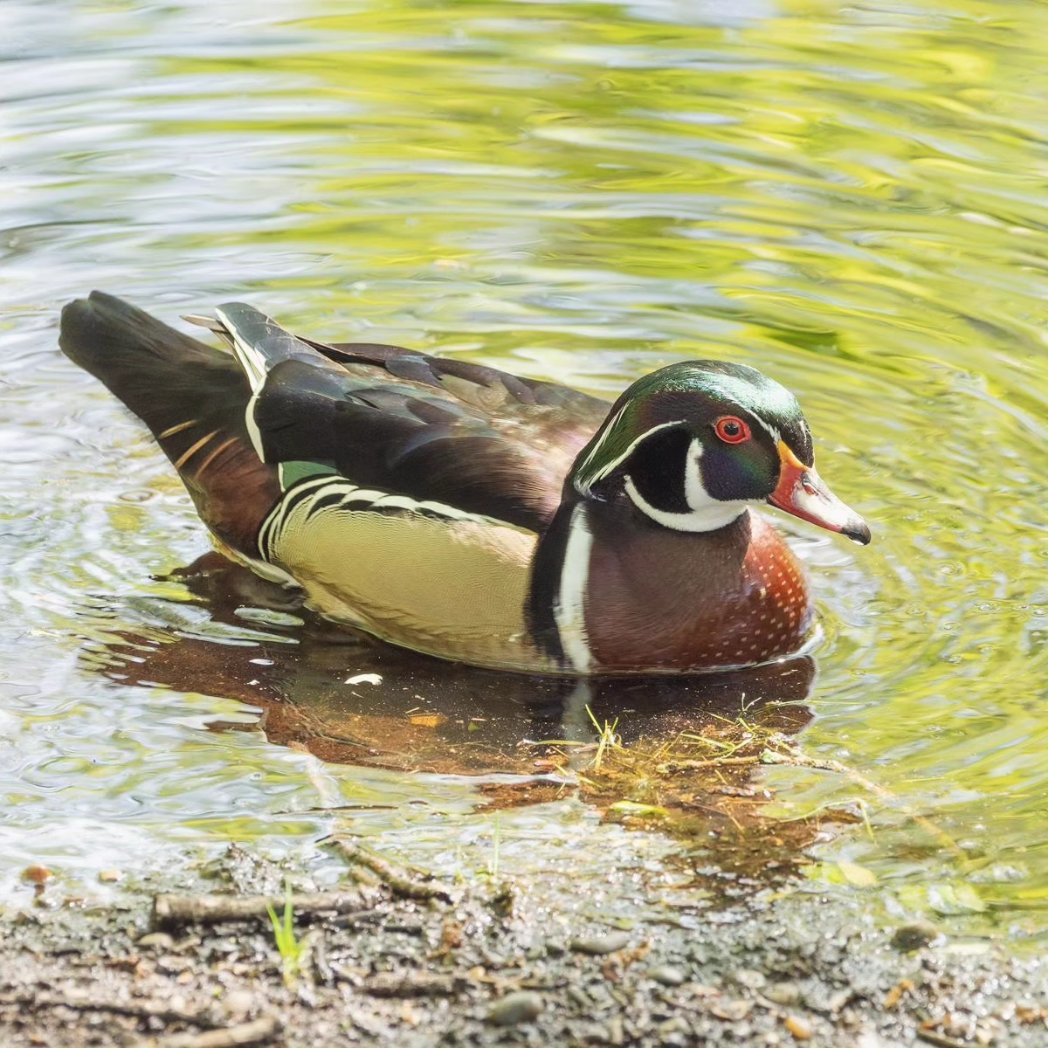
488, 961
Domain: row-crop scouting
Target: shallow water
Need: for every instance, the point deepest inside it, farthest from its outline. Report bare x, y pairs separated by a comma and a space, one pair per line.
849, 196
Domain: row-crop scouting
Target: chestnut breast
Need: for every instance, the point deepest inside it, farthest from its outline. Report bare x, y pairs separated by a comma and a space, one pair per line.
658, 597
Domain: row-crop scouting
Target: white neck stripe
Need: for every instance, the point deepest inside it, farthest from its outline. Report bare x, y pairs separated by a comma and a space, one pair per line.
569, 605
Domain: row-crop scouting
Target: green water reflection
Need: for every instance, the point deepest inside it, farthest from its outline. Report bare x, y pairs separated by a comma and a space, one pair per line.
851, 197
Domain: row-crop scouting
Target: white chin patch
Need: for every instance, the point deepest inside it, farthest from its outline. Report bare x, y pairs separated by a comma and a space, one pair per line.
706, 513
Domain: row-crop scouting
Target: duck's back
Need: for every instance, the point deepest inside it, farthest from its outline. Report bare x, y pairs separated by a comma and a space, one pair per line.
405, 493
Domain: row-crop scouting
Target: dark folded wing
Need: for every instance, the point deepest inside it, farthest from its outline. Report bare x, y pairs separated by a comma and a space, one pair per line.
427, 428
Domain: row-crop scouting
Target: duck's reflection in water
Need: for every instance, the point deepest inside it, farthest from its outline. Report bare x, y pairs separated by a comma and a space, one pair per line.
347, 698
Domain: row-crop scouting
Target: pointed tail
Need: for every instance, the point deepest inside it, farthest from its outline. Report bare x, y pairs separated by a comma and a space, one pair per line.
192, 397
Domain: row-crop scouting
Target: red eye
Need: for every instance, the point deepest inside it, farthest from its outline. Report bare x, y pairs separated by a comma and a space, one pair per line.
731, 430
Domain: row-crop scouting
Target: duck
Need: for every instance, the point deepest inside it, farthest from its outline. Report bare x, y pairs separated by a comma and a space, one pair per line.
475, 516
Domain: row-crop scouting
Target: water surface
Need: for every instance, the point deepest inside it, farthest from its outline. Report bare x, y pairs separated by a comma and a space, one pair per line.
850, 197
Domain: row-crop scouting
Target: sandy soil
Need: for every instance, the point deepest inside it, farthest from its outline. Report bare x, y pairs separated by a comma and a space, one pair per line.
411, 963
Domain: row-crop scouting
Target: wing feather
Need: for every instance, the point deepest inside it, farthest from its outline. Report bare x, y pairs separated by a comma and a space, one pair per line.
428, 428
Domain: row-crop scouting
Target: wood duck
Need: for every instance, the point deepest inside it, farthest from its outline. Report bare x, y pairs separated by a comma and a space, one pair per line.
472, 515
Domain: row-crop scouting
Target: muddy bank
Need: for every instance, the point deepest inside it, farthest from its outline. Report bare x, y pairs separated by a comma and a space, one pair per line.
414, 963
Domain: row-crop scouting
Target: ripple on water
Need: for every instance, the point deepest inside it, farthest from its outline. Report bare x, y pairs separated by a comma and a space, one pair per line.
848, 198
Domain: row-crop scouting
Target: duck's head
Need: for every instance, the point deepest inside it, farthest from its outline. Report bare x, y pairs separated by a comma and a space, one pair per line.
693, 444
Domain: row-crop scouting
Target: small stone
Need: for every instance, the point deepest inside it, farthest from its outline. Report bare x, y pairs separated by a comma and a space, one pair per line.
749, 978
578, 995
172, 964
800, 1028
110, 876
820, 998
161, 940
673, 1032
732, 1011
783, 993
36, 874
516, 1008
676, 1024
238, 1003
599, 945
913, 936
871, 1039
667, 975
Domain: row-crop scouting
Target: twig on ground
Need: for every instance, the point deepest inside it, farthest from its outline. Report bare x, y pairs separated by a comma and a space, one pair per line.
84, 1002
175, 910
412, 984
713, 762
939, 1040
400, 883
258, 1031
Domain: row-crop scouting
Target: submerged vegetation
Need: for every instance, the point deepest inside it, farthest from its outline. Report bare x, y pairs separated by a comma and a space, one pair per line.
706, 783
702, 786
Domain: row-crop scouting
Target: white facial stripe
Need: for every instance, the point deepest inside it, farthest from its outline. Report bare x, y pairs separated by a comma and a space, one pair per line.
615, 463
707, 514
690, 480
569, 610
694, 490
709, 517
604, 436
773, 430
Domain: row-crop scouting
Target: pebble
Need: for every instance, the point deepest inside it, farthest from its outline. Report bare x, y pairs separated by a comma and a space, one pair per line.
819, 998
161, 940
749, 978
871, 1039
676, 1024
516, 1008
172, 964
599, 945
800, 1028
783, 993
238, 1003
579, 996
667, 975
36, 874
110, 876
674, 1032
732, 1010
913, 936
